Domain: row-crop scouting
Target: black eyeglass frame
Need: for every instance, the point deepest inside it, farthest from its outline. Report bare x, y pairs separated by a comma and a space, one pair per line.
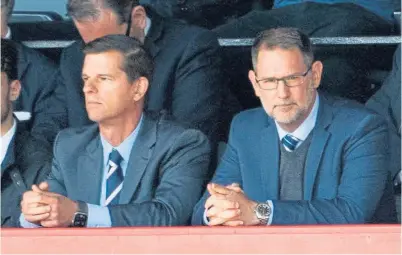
284, 79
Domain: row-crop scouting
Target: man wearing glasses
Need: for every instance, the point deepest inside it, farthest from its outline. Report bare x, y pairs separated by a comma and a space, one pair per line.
304, 157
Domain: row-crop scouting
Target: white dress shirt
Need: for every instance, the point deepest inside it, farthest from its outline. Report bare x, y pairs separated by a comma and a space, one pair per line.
6, 140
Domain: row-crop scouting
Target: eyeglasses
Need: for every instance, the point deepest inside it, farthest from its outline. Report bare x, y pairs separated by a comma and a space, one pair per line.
290, 81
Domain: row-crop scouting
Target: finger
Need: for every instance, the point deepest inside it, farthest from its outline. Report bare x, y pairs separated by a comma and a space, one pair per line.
235, 184
233, 223
50, 223
47, 198
220, 189
36, 218
33, 205
210, 189
212, 200
216, 221
32, 198
235, 189
38, 210
229, 214
44, 186
221, 202
36, 189
213, 211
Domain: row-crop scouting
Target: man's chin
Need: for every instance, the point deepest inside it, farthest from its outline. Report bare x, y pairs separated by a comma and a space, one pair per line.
285, 119
94, 117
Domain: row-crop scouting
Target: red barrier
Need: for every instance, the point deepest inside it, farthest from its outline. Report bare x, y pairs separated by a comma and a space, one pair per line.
357, 239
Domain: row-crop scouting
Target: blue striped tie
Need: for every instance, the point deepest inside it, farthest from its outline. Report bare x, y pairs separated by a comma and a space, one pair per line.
290, 142
114, 179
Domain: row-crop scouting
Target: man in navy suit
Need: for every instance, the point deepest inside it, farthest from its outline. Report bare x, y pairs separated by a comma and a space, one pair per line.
187, 81
131, 168
304, 157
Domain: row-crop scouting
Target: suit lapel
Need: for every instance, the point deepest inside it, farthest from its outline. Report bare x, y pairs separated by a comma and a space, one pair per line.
270, 160
154, 34
139, 158
90, 170
317, 146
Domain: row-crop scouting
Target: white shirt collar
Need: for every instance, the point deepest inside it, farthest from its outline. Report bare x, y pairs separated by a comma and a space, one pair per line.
147, 26
305, 128
8, 35
6, 140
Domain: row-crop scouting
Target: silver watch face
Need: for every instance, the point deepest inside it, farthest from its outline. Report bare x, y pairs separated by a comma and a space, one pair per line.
263, 211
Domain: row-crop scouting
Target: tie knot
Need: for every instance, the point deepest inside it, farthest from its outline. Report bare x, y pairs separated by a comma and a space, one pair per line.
115, 157
290, 142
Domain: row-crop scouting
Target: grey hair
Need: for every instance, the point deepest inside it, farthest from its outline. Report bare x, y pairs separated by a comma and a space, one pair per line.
284, 38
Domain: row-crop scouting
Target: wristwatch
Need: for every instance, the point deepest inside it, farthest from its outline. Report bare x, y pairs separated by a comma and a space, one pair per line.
263, 212
81, 215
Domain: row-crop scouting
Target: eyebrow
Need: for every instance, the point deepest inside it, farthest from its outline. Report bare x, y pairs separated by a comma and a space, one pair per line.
277, 78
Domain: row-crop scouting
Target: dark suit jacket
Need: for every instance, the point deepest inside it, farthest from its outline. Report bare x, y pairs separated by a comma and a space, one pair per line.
164, 179
345, 172
27, 162
39, 95
387, 102
187, 80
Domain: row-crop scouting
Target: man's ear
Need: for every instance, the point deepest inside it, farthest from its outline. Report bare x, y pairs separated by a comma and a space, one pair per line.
138, 23
252, 78
316, 70
139, 88
15, 90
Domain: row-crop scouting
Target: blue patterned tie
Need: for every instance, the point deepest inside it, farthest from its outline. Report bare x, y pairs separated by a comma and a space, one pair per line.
114, 179
290, 142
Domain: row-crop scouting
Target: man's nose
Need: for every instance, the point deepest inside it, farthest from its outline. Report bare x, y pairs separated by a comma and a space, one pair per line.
282, 90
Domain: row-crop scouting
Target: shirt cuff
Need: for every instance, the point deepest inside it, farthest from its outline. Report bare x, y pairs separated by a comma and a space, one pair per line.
98, 217
26, 224
205, 218
272, 212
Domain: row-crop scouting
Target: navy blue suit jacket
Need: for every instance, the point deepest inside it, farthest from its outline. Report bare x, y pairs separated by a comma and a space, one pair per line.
345, 174
165, 174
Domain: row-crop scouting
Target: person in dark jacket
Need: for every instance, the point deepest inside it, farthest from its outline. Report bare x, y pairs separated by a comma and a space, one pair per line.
25, 160
40, 102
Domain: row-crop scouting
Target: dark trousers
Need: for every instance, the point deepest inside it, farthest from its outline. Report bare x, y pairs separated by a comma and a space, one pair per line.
345, 69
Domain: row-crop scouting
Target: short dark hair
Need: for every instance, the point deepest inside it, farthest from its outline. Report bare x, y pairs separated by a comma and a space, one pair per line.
9, 5
90, 9
284, 38
137, 62
9, 58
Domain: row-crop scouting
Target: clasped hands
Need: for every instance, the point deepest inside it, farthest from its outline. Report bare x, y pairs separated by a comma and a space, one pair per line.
229, 206
48, 209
